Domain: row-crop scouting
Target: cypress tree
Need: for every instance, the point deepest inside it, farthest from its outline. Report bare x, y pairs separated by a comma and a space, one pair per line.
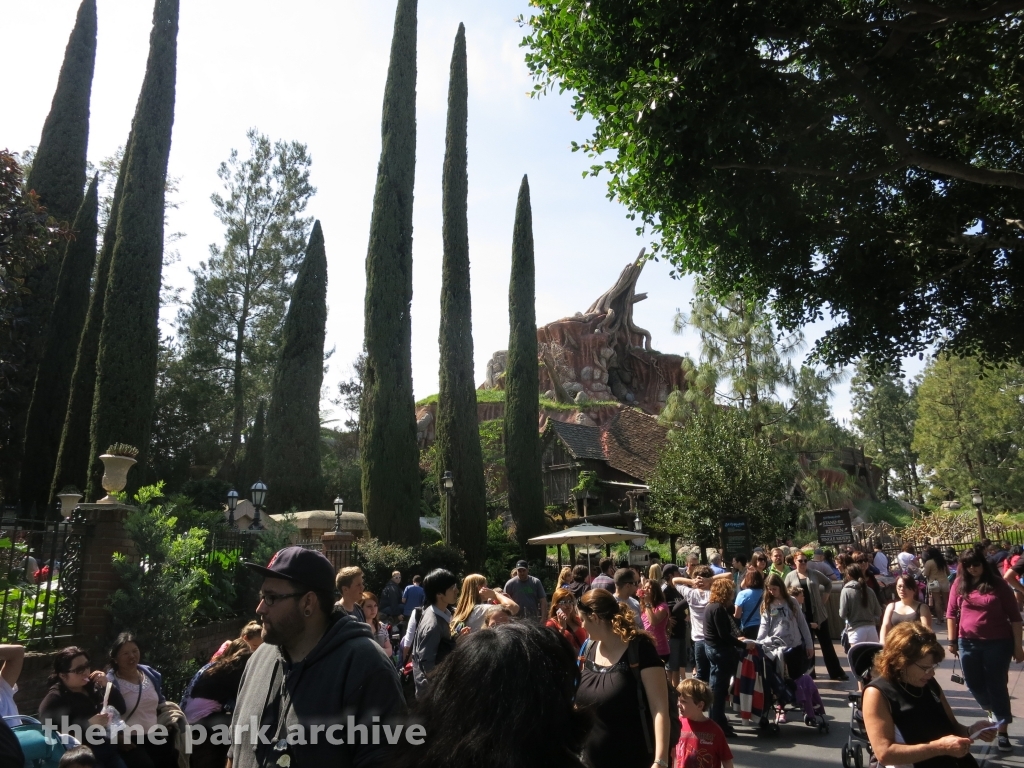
293, 472
73, 459
127, 359
252, 466
522, 376
58, 177
387, 426
458, 433
60, 347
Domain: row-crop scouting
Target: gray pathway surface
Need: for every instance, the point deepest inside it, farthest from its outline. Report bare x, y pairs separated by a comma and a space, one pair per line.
801, 746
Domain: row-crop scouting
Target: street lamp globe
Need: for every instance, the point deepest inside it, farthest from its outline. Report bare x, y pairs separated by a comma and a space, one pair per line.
232, 500
449, 481
259, 493
976, 498
339, 505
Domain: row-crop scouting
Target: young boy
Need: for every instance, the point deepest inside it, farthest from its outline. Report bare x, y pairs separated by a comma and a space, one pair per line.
702, 743
79, 757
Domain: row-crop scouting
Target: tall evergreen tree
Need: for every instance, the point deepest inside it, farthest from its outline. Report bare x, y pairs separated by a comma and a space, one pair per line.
458, 434
73, 457
255, 449
293, 469
387, 425
59, 350
522, 376
129, 341
58, 177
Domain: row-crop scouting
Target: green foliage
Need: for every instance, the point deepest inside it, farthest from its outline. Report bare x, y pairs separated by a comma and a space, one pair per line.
522, 442
45, 420
292, 453
968, 431
885, 512
208, 493
840, 158
340, 461
587, 483
458, 438
387, 419
482, 396
715, 466
29, 240
230, 329
378, 559
502, 553
884, 412
128, 347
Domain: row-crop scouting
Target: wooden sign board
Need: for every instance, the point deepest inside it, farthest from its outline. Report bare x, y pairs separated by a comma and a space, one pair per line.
834, 527
734, 535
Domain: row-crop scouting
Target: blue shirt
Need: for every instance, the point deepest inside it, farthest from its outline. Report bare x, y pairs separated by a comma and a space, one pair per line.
716, 570
413, 596
750, 601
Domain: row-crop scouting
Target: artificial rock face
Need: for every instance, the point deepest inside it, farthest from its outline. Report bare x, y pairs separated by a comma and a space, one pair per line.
601, 355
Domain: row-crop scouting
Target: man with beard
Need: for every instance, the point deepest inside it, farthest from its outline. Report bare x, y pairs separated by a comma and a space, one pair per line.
319, 677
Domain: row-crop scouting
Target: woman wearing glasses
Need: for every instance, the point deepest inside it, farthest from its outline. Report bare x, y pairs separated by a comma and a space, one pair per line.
907, 608
76, 693
985, 631
565, 619
905, 695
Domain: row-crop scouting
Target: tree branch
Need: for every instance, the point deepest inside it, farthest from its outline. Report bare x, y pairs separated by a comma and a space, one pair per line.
810, 171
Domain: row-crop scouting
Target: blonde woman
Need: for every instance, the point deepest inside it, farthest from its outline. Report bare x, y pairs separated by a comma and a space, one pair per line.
654, 572
564, 578
474, 602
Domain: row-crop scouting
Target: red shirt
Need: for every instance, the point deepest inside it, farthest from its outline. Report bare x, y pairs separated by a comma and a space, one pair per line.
701, 745
984, 617
576, 638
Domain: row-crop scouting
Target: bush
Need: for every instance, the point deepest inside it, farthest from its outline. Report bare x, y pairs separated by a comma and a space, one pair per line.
502, 552
378, 560
207, 492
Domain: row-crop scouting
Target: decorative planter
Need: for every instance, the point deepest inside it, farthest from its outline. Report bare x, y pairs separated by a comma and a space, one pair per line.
115, 475
68, 502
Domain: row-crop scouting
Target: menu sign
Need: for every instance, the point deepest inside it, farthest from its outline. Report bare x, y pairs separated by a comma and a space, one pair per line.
735, 538
834, 526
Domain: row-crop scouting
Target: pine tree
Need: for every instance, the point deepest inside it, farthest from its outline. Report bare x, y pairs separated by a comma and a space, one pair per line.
126, 364
458, 433
255, 442
522, 376
73, 459
293, 471
53, 380
58, 177
389, 454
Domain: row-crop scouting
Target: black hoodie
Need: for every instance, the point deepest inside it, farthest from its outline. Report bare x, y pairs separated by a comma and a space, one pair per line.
346, 674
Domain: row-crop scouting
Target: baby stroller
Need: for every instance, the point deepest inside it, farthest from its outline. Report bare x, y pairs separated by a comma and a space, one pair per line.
762, 692
862, 658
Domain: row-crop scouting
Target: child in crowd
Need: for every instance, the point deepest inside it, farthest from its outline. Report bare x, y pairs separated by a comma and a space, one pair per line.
79, 757
702, 742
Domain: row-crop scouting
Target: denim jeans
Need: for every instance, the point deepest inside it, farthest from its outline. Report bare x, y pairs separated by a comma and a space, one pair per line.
723, 666
986, 669
700, 657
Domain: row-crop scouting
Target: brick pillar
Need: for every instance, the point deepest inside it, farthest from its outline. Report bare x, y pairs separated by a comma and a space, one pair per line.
337, 547
105, 535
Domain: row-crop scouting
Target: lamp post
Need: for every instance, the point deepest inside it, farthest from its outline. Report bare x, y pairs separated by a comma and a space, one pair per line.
259, 495
339, 506
638, 527
449, 483
232, 503
979, 501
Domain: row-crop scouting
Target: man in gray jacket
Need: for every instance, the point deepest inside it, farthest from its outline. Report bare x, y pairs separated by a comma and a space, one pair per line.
814, 585
320, 690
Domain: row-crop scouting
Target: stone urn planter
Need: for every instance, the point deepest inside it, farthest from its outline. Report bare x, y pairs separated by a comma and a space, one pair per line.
115, 475
69, 499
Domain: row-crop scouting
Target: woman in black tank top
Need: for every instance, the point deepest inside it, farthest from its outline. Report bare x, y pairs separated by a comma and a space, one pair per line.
907, 589
904, 695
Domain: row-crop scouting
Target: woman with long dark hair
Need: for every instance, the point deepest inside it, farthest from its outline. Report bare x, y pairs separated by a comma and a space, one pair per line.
936, 576
984, 627
210, 699
723, 644
76, 693
783, 627
654, 613
533, 722
859, 607
608, 688
907, 608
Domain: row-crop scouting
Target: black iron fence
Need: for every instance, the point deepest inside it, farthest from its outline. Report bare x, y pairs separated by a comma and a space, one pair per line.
228, 588
894, 541
40, 578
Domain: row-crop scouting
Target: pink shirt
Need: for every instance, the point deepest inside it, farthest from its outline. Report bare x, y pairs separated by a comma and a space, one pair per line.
660, 632
984, 617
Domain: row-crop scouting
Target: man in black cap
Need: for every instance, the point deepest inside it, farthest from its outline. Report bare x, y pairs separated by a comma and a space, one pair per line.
320, 685
528, 592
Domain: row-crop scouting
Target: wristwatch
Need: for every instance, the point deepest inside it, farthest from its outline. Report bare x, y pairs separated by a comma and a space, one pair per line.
662, 763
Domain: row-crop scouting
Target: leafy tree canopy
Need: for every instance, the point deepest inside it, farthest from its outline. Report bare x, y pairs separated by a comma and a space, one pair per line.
856, 159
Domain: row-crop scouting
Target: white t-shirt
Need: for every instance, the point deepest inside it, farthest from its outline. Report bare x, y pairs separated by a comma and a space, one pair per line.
907, 561
882, 562
698, 600
7, 706
477, 617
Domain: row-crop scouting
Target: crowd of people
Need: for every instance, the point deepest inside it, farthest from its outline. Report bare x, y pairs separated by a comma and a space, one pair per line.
624, 667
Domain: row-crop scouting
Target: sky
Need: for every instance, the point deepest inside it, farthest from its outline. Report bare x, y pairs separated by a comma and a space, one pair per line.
314, 71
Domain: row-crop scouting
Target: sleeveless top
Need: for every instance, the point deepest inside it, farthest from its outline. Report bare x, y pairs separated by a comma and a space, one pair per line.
899, 618
921, 718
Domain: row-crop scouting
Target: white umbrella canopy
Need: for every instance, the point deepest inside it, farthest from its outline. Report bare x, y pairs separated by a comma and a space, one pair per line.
586, 533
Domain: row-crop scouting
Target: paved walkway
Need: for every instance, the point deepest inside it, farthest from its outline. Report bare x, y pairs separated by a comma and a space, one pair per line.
800, 746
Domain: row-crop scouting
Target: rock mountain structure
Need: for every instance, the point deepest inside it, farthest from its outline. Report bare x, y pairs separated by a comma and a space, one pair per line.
601, 355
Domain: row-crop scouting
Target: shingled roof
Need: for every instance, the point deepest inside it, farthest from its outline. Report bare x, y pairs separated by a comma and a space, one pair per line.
631, 442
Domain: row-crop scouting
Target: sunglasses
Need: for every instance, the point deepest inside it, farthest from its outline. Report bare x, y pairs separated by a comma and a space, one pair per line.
84, 669
802, 561
583, 607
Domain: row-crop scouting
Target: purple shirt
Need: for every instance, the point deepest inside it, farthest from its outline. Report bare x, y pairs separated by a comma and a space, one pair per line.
984, 617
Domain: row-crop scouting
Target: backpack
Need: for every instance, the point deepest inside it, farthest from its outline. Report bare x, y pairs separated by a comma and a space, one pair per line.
42, 750
633, 660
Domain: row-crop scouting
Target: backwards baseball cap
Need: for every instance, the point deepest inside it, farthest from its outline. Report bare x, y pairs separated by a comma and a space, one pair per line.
522, 564
304, 566
819, 551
